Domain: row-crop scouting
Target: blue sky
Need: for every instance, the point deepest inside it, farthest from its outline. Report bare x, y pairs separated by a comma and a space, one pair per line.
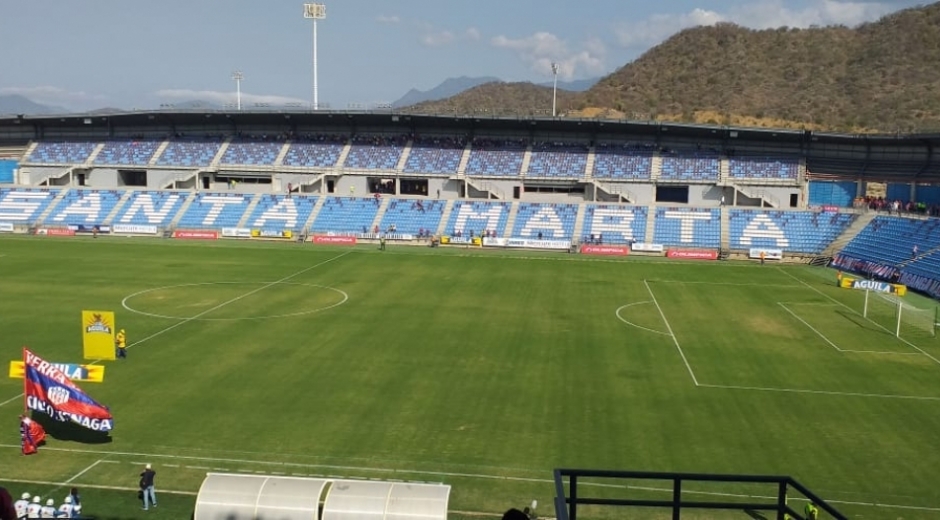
85, 54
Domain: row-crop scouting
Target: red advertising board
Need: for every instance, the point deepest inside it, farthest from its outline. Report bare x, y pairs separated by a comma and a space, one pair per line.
336, 241
196, 235
692, 254
56, 232
605, 250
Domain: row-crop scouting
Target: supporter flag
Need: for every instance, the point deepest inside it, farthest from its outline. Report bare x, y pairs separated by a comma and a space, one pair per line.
50, 391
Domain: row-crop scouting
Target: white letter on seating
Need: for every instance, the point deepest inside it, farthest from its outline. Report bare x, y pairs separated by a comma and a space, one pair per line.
687, 226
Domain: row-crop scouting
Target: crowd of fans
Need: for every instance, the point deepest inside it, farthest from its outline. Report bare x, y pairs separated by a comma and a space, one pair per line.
897, 207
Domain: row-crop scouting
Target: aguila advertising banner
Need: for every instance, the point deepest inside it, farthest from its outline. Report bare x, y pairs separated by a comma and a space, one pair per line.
48, 390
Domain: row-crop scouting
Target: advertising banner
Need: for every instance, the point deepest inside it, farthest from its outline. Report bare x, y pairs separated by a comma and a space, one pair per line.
236, 232
6, 227
333, 240
830, 209
648, 248
98, 334
538, 244
83, 229
874, 286
769, 254
55, 232
271, 233
196, 235
605, 250
133, 229
494, 242
86, 373
692, 254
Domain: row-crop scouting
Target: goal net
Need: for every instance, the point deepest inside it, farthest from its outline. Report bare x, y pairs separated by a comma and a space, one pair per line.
899, 318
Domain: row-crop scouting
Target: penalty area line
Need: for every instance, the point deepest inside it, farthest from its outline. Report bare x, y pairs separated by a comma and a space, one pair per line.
820, 392
619, 317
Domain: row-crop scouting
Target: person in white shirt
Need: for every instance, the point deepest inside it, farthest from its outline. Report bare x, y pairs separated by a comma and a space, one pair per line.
21, 505
34, 509
49, 510
67, 510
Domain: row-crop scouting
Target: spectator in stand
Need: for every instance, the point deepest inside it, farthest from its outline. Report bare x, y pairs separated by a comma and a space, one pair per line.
914, 252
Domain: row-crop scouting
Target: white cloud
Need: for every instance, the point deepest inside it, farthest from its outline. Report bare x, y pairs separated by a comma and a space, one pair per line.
758, 14
541, 49
215, 96
388, 18
472, 33
437, 38
48, 94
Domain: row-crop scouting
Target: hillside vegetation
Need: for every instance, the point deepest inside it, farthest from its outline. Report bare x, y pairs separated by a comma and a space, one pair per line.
881, 76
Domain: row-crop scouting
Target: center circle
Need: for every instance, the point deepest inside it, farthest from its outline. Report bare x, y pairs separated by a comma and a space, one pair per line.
340, 298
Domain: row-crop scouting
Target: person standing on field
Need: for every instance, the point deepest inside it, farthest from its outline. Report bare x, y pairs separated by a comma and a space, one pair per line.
763, 255
121, 342
146, 485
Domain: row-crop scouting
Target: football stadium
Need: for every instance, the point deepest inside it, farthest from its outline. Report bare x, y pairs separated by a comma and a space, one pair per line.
362, 314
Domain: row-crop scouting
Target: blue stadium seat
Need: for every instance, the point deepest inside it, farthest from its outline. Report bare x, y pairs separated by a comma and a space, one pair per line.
472, 216
315, 151
557, 161
690, 166
375, 152
794, 231
249, 151
623, 162
615, 223
191, 153
127, 152
825, 193
554, 221
411, 216
496, 158
763, 168
215, 210
61, 152
280, 212
24, 205
151, 208
346, 215
84, 207
688, 227
435, 156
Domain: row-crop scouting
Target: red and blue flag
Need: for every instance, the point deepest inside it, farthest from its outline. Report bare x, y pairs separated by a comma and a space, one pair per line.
48, 390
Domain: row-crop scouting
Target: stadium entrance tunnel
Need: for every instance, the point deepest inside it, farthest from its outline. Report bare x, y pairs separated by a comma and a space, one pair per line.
249, 497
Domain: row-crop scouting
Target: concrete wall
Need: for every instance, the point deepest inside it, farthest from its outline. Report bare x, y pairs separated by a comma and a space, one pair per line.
101, 178
32, 175
157, 179
359, 185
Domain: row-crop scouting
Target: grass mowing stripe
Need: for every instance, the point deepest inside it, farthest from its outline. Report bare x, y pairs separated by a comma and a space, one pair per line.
821, 392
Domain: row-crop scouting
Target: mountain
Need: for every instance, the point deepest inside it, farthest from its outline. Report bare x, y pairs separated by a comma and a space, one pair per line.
450, 87
879, 76
578, 85
15, 104
499, 98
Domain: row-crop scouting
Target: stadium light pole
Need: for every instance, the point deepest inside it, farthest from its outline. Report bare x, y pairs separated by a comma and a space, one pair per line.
238, 77
554, 87
315, 12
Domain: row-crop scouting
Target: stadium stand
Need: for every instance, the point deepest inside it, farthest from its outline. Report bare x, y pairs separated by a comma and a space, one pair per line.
318, 151
763, 168
346, 215
792, 231
127, 152
623, 162
890, 240
190, 152
151, 208
496, 157
688, 227
253, 151
375, 152
557, 160
24, 205
548, 221
7, 168
215, 210
825, 193
84, 207
413, 216
471, 217
280, 212
61, 152
614, 224
690, 166
435, 155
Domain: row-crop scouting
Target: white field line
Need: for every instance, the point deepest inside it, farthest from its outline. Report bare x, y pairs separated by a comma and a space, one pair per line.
82, 472
93, 486
821, 392
833, 345
671, 333
820, 334
908, 343
406, 471
217, 307
732, 284
619, 317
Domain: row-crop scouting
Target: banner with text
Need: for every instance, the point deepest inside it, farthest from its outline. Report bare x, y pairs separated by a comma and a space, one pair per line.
87, 373
647, 248
83, 229
271, 233
51, 392
334, 240
55, 232
538, 244
98, 334
6, 227
236, 232
196, 235
134, 229
872, 285
605, 250
769, 254
692, 254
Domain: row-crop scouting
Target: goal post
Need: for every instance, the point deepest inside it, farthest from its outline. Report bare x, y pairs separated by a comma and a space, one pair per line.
903, 320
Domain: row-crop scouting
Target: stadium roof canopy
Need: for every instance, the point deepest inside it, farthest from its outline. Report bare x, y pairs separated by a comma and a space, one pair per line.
865, 156
249, 497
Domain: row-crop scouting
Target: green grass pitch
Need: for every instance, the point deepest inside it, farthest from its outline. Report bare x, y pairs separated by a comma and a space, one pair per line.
483, 370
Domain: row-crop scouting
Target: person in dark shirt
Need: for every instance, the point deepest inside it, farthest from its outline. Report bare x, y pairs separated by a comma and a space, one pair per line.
146, 485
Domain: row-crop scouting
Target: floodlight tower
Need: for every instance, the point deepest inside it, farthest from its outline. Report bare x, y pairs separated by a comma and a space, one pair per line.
554, 87
238, 77
315, 12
